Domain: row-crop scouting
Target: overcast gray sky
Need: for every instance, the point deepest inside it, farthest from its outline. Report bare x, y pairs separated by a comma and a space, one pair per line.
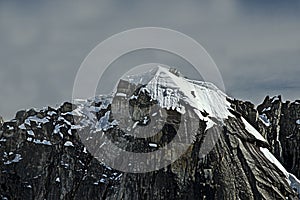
256, 44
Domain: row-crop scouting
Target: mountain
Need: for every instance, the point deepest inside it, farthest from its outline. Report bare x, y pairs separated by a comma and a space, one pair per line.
158, 136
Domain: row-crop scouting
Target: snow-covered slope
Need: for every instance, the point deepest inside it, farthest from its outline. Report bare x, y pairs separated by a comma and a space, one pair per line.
173, 92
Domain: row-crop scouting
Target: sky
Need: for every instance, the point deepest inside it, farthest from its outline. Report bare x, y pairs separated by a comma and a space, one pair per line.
255, 44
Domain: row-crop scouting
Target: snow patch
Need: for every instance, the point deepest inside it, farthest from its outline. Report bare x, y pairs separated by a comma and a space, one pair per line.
15, 160
103, 124
43, 142
22, 126
119, 94
266, 109
152, 145
253, 131
265, 119
36, 119
51, 113
275, 99
68, 144
293, 181
30, 132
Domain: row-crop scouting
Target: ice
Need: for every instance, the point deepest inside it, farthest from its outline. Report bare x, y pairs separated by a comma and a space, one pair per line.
298, 121
253, 131
57, 179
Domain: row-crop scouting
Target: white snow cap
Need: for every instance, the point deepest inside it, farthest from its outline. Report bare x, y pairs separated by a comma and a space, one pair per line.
170, 90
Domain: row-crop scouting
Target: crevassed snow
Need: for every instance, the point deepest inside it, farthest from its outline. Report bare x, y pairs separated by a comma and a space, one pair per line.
291, 179
253, 131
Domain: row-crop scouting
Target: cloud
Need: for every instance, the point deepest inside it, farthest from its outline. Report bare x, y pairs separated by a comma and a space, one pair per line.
255, 45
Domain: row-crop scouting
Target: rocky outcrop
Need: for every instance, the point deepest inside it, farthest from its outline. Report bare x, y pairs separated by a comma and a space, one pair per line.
283, 130
278, 123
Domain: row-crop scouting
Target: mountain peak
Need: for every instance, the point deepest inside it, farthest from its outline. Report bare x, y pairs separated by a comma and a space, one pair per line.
61, 152
176, 92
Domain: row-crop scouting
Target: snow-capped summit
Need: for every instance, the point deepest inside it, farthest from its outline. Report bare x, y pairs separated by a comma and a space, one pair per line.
174, 92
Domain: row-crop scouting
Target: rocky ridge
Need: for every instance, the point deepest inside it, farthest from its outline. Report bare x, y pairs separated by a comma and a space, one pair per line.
44, 157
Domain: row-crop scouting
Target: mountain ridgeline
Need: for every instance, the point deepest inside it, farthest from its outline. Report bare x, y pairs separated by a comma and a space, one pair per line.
235, 150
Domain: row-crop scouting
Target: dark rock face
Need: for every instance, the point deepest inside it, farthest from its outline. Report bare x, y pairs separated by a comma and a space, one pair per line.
43, 156
277, 121
284, 131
